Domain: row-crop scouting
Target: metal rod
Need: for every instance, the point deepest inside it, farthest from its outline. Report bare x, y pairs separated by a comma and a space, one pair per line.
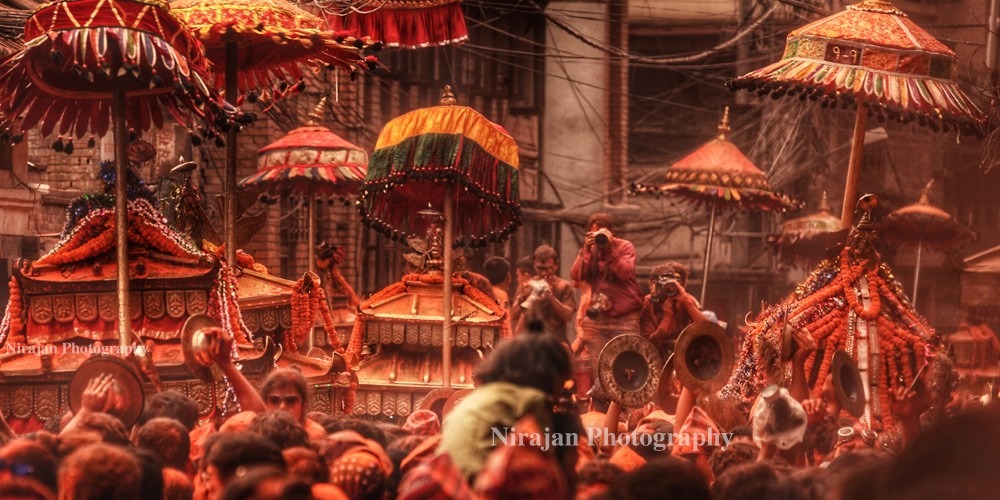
229, 187
449, 239
854, 168
121, 211
916, 272
708, 255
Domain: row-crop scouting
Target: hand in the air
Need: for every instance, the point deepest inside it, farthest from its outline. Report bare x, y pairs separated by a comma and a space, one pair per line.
806, 342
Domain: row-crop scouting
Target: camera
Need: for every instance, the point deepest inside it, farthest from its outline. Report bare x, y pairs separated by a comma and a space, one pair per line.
599, 304
666, 286
538, 290
602, 237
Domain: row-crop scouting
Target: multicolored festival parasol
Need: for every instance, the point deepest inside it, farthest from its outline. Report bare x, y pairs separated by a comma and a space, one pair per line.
310, 162
407, 24
450, 159
260, 45
718, 175
805, 238
922, 224
82, 60
874, 57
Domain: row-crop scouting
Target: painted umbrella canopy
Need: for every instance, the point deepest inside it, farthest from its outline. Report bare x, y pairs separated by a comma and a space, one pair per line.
805, 239
273, 37
871, 53
924, 224
309, 161
407, 24
417, 154
73, 52
719, 174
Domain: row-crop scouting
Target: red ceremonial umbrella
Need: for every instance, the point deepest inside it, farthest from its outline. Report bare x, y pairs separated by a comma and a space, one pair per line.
83, 59
407, 24
871, 56
451, 159
805, 238
922, 224
718, 175
261, 45
310, 161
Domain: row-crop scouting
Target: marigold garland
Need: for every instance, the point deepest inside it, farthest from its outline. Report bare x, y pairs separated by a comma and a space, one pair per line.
823, 304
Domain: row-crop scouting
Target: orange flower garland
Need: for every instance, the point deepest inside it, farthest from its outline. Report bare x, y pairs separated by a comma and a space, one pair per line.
824, 303
12, 328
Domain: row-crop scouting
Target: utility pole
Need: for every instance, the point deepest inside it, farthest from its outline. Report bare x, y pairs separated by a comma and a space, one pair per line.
616, 158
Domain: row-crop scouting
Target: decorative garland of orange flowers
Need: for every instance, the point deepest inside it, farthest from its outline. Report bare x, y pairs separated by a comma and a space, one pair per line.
12, 327
824, 305
305, 305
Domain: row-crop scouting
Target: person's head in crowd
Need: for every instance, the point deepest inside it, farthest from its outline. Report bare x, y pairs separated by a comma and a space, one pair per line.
546, 262
150, 474
392, 431
813, 483
358, 466
109, 427
723, 411
99, 472
747, 479
600, 220
70, 441
497, 270
741, 434
226, 453
286, 389
820, 439
46, 439
366, 429
171, 404
674, 270
722, 459
955, 459
281, 428
397, 451
423, 423
24, 488
651, 440
525, 269
259, 483
306, 464
27, 458
537, 360
671, 477
167, 439
176, 485
55, 422
239, 422
595, 477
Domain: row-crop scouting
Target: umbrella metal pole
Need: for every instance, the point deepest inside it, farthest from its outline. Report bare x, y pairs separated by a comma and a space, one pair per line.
708, 255
916, 272
229, 179
854, 168
121, 211
449, 240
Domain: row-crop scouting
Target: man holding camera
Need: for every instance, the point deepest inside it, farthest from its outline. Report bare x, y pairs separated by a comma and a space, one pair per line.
668, 308
607, 264
545, 297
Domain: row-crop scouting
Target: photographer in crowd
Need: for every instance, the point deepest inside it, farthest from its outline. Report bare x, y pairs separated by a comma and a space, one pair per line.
545, 297
668, 308
607, 265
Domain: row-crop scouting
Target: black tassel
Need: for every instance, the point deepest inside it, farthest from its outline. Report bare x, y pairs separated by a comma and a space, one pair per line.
195, 140
58, 145
359, 44
17, 138
252, 96
91, 142
69, 147
219, 143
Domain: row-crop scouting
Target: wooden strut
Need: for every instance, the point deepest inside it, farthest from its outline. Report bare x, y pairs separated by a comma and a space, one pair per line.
229, 187
449, 269
121, 211
854, 168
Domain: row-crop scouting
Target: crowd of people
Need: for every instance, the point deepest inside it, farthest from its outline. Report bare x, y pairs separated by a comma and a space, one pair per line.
521, 433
